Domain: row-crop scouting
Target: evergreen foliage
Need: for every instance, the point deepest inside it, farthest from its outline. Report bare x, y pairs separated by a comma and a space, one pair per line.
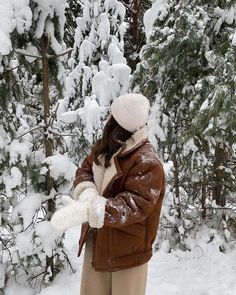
187, 71
98, 73
24, 198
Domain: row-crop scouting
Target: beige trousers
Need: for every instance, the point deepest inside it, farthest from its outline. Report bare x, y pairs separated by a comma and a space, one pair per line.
130, 281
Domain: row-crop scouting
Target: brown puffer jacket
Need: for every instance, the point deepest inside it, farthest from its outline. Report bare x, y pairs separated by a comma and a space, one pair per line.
134, 187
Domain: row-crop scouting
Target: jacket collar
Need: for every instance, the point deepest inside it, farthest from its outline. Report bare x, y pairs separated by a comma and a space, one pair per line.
135, 140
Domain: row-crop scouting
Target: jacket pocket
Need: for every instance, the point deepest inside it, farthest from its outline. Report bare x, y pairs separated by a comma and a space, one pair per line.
128, 240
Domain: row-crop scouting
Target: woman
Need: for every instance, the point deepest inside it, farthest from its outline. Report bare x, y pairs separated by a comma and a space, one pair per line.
118, 193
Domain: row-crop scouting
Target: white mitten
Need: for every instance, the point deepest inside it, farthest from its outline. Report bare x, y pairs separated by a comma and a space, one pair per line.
81, 187
96, 206
74, 213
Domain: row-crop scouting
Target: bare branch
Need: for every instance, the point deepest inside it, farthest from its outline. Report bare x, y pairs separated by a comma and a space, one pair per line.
31, 130
133, 11
23, 52
68, 260
60, 54
52, 118
139, 5
9, 70
63, 134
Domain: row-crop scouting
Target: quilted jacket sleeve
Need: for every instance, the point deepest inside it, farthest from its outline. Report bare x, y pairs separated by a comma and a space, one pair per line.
144, 185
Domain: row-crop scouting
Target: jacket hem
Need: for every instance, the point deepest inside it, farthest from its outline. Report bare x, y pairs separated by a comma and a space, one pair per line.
120, 263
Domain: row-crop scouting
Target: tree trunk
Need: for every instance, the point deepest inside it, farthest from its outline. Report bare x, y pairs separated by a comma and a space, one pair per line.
176, 182
204, 196
135, 23
48, 141
221, 157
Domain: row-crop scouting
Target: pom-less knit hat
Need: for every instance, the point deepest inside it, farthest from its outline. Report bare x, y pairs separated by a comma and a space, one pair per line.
131, 111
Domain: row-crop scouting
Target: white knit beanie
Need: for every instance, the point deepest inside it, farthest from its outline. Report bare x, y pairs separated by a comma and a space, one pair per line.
131, 111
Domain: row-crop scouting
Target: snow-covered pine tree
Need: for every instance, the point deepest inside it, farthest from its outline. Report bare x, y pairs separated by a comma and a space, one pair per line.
38, 165
98, 72
214, 112
214, 109
10, 109
176, 73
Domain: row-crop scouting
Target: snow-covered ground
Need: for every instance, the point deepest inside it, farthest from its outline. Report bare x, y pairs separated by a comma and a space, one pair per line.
203, 271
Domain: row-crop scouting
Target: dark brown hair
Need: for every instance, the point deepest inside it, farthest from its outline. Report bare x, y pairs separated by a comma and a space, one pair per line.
113, 137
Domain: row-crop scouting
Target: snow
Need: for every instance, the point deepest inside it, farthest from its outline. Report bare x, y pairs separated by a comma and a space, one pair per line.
114, 54
26, 208
154, 124
90, 115
100, 86
19, 290
5, 43
103, 29
189, 146
47, 8
233, 38
159, 10
13, 180
68, 117
86, 51
23, 15
204, 105
202, 271
6, 26
120, 74
47, 236
228, 15
211, 58
110, 81
55, 44
60, 166
44, 238
14, 14
117, 7
24, 243
2, 143
3, 267
19, 151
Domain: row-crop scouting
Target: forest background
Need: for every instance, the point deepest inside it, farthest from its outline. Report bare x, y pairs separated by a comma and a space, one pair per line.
62, 62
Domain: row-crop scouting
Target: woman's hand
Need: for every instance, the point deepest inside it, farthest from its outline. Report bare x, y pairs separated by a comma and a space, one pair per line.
74, 213
96, 206
90, 207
